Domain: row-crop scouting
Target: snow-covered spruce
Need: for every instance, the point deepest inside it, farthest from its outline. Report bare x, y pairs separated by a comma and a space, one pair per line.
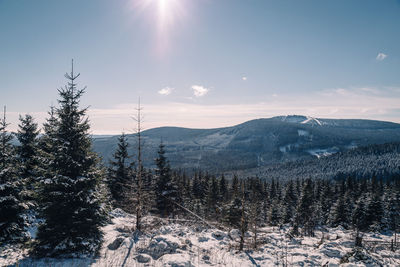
11, 208
70, 199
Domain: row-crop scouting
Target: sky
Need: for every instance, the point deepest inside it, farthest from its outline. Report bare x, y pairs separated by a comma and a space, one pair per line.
203, 63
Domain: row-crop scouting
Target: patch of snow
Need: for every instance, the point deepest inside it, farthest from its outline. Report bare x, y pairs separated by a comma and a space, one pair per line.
323, 152
303, 133
311, 120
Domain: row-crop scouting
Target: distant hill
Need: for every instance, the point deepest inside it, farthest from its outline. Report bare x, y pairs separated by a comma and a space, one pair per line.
256, 143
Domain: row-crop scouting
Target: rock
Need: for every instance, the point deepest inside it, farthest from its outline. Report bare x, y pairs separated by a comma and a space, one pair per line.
188, 242
234, 233
203, 239
159, 247
331, 253
206, 258
177, 260
218, 235
116, 213
143, 259
116, 243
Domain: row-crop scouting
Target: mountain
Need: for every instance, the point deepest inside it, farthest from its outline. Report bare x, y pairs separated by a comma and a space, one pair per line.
255, 143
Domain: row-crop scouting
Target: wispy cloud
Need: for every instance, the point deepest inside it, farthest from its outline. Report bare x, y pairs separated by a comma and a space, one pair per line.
244, 78
199, 90
166, 91
381, 56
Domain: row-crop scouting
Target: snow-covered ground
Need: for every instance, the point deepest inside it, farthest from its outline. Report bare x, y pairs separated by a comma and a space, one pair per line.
183, 243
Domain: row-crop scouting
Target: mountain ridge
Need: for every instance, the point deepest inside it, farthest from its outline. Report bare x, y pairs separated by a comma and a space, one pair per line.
256, 142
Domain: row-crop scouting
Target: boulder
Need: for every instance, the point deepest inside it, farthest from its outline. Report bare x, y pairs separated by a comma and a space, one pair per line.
116, 243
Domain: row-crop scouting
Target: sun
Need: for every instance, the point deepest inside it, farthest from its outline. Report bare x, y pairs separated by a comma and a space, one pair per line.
165, 15
165, 11
168, 11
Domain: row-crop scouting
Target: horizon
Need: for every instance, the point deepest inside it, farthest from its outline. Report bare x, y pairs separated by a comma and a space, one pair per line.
133, 132
202, 65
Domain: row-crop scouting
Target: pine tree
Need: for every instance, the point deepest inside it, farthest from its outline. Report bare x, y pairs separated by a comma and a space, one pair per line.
213, 197
374, 213
393, 210
234, 187
255, 203
11, 209
289, 203
70, 196
359, 216
340, 213
233, 212
197, 190
120, 173
28, 154
305, 212
166, 189
223, 189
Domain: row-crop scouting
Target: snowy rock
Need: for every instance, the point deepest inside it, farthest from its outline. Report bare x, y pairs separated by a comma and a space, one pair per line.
159, 247
331, 253
358, 255
177, 260
118, 213
124, 229
218, 235
116, 243
203, 239
234, 233
143, 259
206, 258
188, 242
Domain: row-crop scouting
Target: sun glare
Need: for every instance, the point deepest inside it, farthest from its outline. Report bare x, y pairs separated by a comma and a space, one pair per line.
164, 14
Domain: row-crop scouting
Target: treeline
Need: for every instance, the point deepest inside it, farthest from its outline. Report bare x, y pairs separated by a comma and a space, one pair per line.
364, 204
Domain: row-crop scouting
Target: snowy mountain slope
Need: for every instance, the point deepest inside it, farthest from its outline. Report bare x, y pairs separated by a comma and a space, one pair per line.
257, 142
185, 243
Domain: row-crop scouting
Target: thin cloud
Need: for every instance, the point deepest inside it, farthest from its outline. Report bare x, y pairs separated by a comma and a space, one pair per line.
381, 56
166, 91
244, 78
199, 90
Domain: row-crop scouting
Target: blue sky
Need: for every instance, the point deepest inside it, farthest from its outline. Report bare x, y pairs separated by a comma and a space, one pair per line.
205, 63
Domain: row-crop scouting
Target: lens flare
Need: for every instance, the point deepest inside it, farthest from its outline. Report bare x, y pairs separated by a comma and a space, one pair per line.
165, 14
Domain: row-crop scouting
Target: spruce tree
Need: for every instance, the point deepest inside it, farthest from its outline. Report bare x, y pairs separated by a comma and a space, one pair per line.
374, 212
11, 208
166, 189
289, 203
223, 189
28, 154
305, 211
359, 216
120, 173
393, 210
71, 205
339, 212
212, 197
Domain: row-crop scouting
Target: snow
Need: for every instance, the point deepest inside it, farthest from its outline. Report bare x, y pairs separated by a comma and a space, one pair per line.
311, 120
323, 152
180, 243
303, 133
